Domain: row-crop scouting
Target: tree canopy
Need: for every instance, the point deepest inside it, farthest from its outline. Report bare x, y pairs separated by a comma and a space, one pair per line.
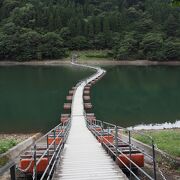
132, 29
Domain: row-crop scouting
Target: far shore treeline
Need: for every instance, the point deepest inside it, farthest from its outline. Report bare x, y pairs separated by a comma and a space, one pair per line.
130, 29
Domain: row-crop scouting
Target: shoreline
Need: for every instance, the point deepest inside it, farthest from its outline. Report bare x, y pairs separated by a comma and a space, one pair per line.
165, 125
92, 62
36, 63
131, 63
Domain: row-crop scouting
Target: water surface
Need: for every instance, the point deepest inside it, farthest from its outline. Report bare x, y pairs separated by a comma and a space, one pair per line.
131, 95
31, 98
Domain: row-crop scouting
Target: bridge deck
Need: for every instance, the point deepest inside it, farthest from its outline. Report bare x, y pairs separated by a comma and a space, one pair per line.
83, 157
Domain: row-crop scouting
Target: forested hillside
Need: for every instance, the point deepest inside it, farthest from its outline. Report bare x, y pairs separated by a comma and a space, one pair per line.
47, 29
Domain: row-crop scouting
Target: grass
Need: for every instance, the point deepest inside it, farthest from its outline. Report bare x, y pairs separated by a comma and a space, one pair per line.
3, 160
94, 55
166, 140
6, 144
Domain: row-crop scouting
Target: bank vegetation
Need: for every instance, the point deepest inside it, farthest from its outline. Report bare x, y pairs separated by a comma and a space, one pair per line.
130, 29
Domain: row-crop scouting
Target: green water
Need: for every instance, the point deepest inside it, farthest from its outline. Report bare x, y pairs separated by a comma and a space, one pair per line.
129, 95
31, 98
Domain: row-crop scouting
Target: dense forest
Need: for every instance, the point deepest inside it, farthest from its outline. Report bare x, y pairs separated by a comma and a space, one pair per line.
48, 29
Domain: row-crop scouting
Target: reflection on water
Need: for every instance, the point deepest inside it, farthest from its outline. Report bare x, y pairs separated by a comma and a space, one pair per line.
166, 125
32, 98
129, 95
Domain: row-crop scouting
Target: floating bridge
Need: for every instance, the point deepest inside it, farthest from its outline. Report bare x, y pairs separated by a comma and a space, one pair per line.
82, 147
83, 157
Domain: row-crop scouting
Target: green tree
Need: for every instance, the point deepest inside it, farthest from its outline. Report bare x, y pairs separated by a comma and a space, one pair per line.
52, 46
24, 16
106, 27
172, 25
127, 48
133, 28
152, 45
72, 26
79, 27
29, 46
97, 25
9, 46
10, 28
7, 7
90, 28
172, 49
79, 43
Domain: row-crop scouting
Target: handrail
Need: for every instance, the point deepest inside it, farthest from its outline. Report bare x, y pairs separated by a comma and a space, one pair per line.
45, 152
48, 133
56, 150
60, 146
96, 123
137, 149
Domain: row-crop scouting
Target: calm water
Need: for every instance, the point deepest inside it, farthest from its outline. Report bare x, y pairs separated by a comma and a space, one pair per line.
129, 96
31, 98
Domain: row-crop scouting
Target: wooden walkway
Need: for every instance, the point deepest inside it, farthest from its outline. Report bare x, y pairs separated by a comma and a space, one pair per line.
83, 157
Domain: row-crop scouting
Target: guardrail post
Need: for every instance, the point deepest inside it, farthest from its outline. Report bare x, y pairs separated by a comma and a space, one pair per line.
62, 125
13, 172
108, 132
48, 148
102, 125
130, 165
55, 140
91, 125
116, 140
154, 160
35, 166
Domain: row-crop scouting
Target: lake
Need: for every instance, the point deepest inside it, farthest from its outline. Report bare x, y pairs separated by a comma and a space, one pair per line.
32, 97
132, 95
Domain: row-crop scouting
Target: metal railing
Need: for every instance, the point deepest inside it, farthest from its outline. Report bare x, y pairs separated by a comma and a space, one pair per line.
52, 150
109, 128
128, 140
124, 136
59, 131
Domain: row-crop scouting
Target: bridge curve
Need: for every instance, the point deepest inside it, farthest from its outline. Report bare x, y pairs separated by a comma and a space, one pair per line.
83, 157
